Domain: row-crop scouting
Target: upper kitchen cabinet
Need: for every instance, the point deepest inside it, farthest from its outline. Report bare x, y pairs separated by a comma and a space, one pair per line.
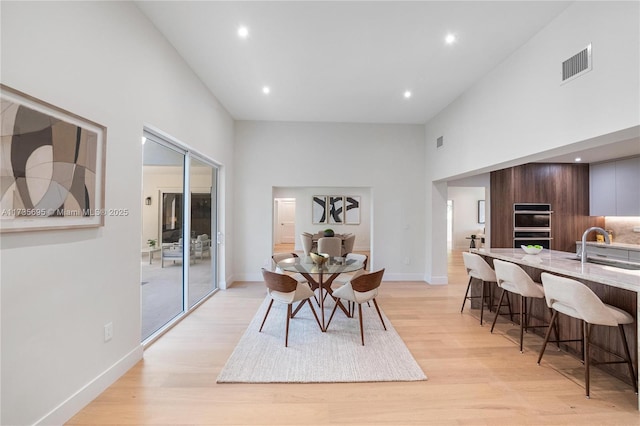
614, 188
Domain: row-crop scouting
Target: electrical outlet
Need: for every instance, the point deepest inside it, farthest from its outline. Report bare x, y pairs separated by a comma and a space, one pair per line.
636, 229
406, 261
108, 331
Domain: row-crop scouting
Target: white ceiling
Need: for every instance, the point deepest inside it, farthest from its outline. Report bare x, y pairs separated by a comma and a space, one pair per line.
345, 61
351, 61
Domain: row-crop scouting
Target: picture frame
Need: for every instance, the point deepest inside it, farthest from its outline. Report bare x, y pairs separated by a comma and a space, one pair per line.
319, 209
352, 210
52, 167
481, 208
335, 209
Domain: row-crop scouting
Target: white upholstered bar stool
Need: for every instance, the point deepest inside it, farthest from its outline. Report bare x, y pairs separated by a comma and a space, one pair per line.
512, 278
478, 268
573, 298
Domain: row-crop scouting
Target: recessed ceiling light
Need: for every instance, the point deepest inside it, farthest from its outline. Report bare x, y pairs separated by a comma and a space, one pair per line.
407, 94
266, 90
450, 38
578, 159
243, 32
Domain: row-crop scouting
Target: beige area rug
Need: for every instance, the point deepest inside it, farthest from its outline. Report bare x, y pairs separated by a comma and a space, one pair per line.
316, 357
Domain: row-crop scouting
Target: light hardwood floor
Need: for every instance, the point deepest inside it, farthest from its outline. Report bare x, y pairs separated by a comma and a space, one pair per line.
475, 377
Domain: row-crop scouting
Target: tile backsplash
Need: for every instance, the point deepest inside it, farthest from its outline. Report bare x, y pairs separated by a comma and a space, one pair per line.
622, 228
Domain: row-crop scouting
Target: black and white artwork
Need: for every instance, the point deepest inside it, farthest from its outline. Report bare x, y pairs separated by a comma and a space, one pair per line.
352, 210
319, 209
336, 209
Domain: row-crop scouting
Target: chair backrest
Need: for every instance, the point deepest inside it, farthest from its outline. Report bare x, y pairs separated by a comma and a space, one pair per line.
348, 243
516, 277
367, 282
579, 297
477, 267
278, 257
359, 257
307, 242
279, 282
330, 245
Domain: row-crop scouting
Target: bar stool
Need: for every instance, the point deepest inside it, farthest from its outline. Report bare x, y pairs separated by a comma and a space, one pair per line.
573, 298
478, 268
512, 278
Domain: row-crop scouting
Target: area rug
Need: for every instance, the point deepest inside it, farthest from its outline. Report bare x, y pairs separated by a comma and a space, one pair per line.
316, 357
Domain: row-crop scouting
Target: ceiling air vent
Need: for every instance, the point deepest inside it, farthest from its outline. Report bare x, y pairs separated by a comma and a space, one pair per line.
439, 142
577, 65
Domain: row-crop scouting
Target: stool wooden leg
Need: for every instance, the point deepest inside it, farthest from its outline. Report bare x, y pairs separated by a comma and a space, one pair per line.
481, 302
523, 302
628, 354
466, 295
586, 330
497, 310
554, 316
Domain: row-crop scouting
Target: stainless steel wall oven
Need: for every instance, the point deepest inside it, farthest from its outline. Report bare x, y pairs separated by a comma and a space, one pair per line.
532, 224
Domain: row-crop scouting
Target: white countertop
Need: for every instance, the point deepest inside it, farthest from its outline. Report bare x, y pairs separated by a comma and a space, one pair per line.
634, 247
566, 264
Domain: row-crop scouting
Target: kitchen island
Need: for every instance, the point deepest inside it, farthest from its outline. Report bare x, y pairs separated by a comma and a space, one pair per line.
615, 286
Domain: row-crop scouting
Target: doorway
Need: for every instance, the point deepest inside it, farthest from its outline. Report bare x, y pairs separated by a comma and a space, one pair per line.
284, 226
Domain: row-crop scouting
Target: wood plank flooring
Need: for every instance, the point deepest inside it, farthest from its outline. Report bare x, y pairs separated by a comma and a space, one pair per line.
475, 378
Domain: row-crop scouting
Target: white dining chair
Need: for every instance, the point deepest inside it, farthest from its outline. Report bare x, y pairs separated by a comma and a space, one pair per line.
330, 245
284, 289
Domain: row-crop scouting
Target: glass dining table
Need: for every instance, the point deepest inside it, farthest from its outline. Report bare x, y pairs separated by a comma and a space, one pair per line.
321, 276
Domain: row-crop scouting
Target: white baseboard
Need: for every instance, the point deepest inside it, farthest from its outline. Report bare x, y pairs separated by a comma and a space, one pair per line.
436, 279
67, 409
414, 276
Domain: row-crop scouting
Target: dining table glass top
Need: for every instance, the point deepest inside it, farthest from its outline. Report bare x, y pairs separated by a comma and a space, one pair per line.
335, 265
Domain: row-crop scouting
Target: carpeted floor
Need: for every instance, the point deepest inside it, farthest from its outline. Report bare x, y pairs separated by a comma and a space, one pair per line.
315, 357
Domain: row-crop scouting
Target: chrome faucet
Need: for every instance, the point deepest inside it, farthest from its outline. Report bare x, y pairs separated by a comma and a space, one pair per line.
583, 249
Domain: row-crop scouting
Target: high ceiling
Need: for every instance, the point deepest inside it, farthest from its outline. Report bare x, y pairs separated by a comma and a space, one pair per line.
345, 61
352, 61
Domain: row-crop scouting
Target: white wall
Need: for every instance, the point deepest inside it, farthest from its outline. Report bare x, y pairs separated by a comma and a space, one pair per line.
106, 62
520, 109
304, 222
465, 214
388, 159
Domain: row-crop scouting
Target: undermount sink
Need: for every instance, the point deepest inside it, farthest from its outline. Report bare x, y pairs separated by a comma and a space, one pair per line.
611, 262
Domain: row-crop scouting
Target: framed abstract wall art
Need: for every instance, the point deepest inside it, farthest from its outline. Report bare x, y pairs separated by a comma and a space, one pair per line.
352, 210
52, 166
335, 209
319, 209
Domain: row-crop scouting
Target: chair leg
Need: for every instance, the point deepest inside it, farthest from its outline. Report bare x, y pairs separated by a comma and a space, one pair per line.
360, 318
628, 354
523, 303
546, 337
481, 301
466, 295
586, 327
556, 328
265, 315
497, 310
286, 334
379, 314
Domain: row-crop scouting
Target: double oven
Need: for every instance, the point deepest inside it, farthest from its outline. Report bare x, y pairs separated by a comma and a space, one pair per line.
532, 224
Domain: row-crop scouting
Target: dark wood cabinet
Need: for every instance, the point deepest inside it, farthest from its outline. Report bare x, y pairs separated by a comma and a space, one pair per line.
564, 186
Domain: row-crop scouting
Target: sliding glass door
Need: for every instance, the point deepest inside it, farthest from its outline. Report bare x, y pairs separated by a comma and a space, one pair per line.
202, 183
179, 225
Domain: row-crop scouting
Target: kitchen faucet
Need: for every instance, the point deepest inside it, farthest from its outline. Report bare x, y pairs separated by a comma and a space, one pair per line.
583, 249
